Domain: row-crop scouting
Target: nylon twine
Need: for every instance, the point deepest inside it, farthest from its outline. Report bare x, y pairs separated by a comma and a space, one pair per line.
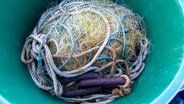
96, 43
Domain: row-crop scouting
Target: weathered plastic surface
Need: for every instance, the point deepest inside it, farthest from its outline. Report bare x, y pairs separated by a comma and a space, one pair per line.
159, 82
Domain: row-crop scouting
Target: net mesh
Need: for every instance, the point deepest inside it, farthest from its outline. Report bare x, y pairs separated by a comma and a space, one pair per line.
79, 36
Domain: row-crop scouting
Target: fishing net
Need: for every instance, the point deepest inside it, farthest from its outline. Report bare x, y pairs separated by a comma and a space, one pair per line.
86, 50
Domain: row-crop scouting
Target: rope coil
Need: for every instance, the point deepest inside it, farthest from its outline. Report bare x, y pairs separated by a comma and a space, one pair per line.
76, 38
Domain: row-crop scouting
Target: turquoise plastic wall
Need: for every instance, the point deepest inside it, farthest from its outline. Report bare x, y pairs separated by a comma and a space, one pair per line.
158, 83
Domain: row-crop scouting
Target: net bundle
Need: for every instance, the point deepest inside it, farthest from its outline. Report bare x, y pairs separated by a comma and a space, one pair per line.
86, 50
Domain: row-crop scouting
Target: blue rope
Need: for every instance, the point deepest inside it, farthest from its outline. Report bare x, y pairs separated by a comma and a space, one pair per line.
47, 35
113, 34
105, 56
44, 17
73, 46
59, 35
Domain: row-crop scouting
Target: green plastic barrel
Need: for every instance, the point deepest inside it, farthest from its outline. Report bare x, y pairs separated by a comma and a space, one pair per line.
160, 81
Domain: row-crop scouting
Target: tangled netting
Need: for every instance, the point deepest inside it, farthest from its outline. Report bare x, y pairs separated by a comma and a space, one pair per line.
86, 51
